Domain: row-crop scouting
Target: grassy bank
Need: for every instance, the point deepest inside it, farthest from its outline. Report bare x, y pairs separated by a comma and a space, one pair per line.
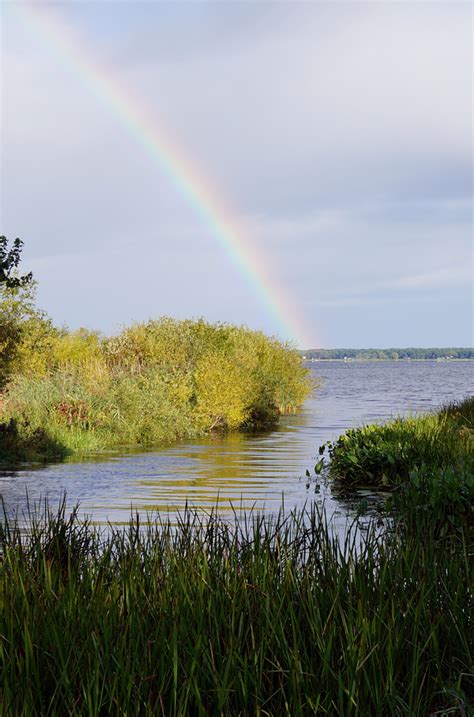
152, 383
427, 462
262, 617
386, 454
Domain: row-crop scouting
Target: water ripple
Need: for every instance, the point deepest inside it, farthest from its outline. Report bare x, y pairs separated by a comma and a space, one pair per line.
244, 469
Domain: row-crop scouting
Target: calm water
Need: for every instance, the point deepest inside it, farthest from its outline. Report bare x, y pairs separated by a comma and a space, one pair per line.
247, 469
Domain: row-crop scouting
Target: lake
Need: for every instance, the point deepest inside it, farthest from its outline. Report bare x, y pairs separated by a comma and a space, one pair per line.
242, 469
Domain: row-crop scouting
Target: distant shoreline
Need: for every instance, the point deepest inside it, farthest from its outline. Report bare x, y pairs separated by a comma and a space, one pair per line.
407, 353
382, 360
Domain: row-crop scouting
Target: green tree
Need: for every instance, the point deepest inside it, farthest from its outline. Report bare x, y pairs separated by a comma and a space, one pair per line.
9, 260
25, 331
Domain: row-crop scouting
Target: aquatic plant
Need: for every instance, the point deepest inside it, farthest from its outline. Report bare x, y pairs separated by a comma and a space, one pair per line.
386, 454
426, 463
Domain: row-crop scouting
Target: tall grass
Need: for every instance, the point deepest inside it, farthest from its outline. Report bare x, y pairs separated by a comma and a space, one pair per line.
257, 616
152, 383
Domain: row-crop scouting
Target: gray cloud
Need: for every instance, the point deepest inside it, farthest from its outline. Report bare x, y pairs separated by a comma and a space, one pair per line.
340, 133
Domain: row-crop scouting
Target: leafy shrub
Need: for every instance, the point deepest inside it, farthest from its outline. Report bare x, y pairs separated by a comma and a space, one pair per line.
156, 382
26, 333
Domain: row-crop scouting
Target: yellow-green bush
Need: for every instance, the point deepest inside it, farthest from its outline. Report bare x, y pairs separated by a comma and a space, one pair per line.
26, 333
153, 382
225, 391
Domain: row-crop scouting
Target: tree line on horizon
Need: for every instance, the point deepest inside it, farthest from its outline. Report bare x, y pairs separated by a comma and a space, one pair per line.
390, 354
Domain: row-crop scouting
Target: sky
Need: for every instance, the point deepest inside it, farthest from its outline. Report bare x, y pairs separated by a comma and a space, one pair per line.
334, 138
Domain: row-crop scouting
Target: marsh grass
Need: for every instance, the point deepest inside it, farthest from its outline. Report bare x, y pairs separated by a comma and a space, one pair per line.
259, 615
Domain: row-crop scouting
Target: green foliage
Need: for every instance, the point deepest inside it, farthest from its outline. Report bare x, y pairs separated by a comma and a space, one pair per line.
15, 305
426, 461
10, 337
385, 454
442, 497
264, 616
152, 383
393, 354
26, 333
224, 389
9, 261
21, 442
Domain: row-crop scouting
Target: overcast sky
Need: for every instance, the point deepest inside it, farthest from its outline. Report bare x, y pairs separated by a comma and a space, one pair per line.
340, 133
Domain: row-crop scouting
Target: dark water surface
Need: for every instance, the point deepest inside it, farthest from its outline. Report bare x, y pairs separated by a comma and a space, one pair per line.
246, 469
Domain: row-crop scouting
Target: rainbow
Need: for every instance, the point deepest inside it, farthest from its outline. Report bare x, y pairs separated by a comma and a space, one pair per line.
208, 206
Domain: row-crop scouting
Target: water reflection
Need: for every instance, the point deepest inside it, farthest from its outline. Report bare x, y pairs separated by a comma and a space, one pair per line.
246, 470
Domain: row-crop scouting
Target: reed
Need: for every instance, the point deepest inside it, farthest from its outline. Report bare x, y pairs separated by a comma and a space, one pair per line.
257, 615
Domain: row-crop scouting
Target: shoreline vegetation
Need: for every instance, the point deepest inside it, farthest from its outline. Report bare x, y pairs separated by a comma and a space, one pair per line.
79, 392
384, 360
263, 615
392, 354
426, 461
260, 614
